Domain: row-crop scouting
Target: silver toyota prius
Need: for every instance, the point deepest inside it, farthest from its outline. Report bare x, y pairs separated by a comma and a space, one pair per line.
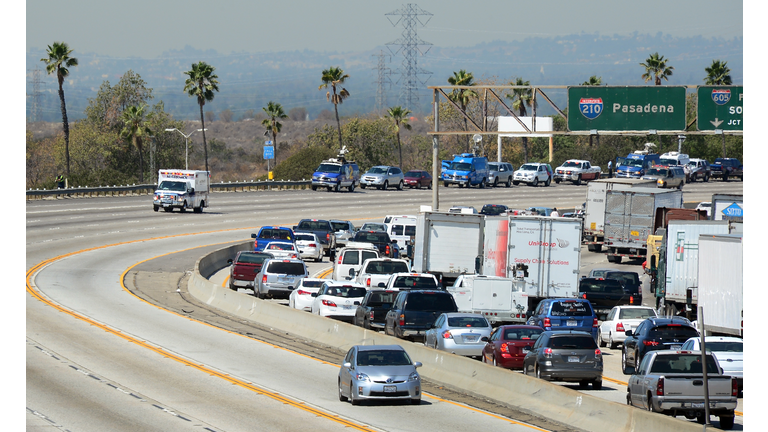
379, 372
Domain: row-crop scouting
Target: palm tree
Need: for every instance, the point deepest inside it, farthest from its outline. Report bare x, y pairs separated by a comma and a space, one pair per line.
400, 116
462, 96
274, 112
59, 61
656, 68
201, 84
520, 98
334, 76
594, 80
718, 74
136, 129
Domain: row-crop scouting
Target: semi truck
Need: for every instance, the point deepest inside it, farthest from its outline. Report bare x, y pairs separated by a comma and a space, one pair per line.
721, 283
181, 189
540, 253
677, 271
500, 300
448, 244
594, 209
629, 219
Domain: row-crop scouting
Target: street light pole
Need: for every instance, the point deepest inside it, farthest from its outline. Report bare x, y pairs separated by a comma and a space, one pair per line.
186, 143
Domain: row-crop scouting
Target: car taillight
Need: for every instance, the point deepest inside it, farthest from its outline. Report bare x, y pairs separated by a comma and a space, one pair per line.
631, 299
547, 322
368, 282
547, 352
594, 322
660, 387
386, 250
584, 296
650, 343
620, 327
447, 335
329, 303
402, 320
314, 245
370, 317
598, 354
339, 262
504, 348
734, 387
264, 279
328, 237
302, 292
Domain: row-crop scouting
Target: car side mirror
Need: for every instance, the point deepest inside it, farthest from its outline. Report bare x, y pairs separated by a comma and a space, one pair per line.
629, 370
382, 285
229, 261
314, 294
351, 273
347, 365
528, 314
484, 338
357, 303
253, 235
192, 190
417, 364
628, 332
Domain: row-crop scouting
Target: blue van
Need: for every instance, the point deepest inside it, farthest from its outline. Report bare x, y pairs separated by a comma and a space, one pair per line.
635, 164
466, 170
336, 174
565, 314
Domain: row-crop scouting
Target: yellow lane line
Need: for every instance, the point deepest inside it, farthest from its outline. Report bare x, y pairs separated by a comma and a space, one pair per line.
484, 412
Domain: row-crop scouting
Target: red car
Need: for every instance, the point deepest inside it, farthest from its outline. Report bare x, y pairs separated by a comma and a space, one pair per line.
505, 346
418, 179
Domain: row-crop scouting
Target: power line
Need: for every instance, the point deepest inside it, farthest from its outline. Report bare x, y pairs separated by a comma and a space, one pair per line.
411, 46
35, 109
383, 73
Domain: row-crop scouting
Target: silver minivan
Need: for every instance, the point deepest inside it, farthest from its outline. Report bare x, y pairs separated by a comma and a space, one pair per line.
383, 177
278, 277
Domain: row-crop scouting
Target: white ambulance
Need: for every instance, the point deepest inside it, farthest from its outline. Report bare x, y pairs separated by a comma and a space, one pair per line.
182, 189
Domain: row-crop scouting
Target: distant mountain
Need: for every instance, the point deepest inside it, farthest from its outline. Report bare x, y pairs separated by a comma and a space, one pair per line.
249, 80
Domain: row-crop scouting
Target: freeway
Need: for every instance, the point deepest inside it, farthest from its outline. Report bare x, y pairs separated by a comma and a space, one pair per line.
99, 357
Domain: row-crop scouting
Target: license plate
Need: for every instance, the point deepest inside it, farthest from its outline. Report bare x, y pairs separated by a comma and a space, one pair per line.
166, 205
697, 405
346, 306
473, 338
571, 324
573, 359
633, 251
284, 278
675, 347
390, 389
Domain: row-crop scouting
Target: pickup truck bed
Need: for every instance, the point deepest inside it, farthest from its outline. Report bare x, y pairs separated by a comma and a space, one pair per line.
604, 294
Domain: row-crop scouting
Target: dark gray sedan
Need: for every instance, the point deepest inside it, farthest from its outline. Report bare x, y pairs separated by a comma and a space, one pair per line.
570, 356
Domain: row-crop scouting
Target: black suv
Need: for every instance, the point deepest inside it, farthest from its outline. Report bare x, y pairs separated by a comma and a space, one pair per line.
655, 334
414, 312
727, 167
372, 311
570, 356
494, 209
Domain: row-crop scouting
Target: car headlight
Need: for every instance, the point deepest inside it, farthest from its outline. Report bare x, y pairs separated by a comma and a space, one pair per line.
414, 376
361, 377
179, 198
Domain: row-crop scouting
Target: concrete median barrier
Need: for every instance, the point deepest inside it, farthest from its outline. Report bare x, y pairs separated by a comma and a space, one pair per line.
530, 395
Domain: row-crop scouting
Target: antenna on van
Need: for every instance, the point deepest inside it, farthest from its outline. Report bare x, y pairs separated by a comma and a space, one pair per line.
649, 148
342, 152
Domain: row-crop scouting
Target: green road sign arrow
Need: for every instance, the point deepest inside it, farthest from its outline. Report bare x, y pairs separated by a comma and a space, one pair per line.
720, 107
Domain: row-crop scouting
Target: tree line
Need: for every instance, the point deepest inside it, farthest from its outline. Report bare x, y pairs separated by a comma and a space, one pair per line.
110, 144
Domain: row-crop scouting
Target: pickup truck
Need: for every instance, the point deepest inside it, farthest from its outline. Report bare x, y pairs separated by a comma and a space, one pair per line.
268, 234
724, 168
672, 382
406, 281
244, 268
604, 294
576, 171
371, 313
324, 231
375, 272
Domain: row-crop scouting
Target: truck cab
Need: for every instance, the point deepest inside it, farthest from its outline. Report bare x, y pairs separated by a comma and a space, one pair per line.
336, 174
635, 164
466, 170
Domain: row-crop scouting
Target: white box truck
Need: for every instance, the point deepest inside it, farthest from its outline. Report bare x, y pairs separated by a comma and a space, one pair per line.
500, 300
721, 283
541, 253
594, 212
629, 219
448, 244
681, 264
182, 189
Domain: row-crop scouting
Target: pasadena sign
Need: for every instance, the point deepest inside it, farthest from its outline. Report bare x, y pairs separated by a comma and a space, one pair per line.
626, 108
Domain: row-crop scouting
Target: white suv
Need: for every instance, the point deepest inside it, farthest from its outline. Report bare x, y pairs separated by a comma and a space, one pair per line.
533, 174
383, 177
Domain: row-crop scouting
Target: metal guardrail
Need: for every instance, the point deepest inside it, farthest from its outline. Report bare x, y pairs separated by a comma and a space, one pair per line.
148, 189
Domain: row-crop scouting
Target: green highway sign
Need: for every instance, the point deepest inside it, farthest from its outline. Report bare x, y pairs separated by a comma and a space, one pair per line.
720, 107
626, 108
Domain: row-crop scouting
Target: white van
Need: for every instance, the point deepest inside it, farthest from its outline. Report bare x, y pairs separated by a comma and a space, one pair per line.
402, 228
352, 257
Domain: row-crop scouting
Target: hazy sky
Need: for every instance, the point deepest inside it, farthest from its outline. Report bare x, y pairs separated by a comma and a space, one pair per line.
146, 29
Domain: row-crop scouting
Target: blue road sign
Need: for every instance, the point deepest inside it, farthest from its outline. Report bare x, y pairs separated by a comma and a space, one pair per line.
269, 152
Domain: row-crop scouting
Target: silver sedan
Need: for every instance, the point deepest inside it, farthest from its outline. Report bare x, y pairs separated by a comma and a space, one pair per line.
459, 333
379, 372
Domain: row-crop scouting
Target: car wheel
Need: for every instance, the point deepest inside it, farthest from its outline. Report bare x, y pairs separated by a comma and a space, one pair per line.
496, 182
725, 177
700, 418
183, 207
706, 178
535, 181
314, 188
156, 208
624, 362
680, 186
629, 397
515, 182
260, 295
482, 184
400, 185
341, 395
578, 181
351, 187
611, 343
537, 371
557, 180
597, 384
726, 422
429, 185
600, 339
494, 361
362, 186
583, 384
352, 395
509, 182
548, 182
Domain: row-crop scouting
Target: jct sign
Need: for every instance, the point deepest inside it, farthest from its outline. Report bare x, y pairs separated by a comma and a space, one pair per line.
626, 108
720, 107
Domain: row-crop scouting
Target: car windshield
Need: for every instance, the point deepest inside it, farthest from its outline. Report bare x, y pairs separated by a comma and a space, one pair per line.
528, 167
280, 246
522, 333
383, 358
373, 227
599, 273
413, 174
571, 164
493, 167
430, 302
682, 363
656, 171
314, 225
570, 308
636, 313
372, 237
287, 268
608, 286
252, 258
673, 331
304, 237
725, 346
340, 226
460, 166
633, 162
381, 298
668, 162
467, 322
415, 282
377, 170
173, 186
629, 279
278, 234
492, 210
386, 267
345, 291
329, 168
312, 283
572, 342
